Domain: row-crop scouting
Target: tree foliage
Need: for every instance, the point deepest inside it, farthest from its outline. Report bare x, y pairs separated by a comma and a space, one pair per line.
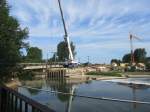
53, 58
140, 55
12, 38
34, 54
126, 58
116, 61
63, 52
148, 63
148, 59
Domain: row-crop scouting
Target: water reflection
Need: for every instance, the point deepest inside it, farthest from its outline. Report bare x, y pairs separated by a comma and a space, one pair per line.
134, 89
35, 84
64, 85
68, 103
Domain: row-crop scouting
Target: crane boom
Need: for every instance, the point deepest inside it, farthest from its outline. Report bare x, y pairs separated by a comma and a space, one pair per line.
62, 17
136, 37
71, 58
131, 37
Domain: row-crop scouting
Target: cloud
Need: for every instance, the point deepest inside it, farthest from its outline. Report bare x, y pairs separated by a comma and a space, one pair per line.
91, 24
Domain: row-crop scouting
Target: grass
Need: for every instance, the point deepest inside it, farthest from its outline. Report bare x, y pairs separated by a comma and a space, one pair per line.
117, 74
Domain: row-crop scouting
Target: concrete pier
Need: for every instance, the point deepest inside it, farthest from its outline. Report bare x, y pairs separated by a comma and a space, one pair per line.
56, 73
59, 73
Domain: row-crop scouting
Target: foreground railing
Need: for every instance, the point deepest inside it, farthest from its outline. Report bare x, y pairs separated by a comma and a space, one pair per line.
12, 101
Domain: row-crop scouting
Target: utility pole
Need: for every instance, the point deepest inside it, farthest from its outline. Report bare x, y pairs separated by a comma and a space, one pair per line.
88, 57
47, 62
79, 60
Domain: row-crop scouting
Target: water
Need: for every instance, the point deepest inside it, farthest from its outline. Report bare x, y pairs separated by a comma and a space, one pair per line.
138, 81
66, 103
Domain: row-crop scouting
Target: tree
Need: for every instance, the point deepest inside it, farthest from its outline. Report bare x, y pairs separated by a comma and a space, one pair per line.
12, 38
148, 63
140, 55
126, 58
63, 52
53, 58
34, 54
148, 60
116, 61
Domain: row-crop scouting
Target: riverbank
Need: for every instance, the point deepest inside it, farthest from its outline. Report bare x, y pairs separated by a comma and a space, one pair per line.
82, 78
13, 83
116, 75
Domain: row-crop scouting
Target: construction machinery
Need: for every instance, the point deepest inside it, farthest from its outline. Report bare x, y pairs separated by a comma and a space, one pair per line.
71, 62
131, 37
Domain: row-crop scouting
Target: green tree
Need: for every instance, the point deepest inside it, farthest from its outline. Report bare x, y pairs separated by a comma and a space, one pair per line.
140, 55
12, 38
63, 52
126, 58
148, 60
148, 63
116, 61
34, 54
53, 58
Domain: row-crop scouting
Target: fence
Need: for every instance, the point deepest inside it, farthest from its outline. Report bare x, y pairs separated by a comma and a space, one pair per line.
12, 101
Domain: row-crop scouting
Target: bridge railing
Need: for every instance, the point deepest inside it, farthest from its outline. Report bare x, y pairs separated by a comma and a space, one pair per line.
12, 101
49, 63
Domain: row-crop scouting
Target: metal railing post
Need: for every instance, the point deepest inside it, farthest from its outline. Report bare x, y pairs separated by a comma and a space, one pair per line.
0, 99
3, 101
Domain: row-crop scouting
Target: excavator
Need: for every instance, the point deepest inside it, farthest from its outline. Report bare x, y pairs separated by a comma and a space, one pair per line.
71, 62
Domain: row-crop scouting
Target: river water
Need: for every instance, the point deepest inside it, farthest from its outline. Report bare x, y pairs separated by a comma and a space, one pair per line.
109, 89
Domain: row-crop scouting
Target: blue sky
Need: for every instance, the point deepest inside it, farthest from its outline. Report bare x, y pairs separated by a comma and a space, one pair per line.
99, 28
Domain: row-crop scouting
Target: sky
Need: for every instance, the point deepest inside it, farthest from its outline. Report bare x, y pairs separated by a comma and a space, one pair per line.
98, 28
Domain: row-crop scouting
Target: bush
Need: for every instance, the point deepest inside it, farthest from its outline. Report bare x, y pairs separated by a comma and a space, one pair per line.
26, 75
105, 73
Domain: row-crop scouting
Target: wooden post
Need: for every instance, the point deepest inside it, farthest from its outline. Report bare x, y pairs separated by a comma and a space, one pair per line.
52, 75
59, 74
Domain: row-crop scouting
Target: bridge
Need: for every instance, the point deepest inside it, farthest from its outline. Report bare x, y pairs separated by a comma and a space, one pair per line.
37, 66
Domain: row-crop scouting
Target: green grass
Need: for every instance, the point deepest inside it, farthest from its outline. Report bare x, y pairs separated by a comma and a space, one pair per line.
117, 74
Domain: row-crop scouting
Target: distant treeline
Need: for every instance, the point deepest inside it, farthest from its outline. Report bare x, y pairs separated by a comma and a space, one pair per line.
140, 56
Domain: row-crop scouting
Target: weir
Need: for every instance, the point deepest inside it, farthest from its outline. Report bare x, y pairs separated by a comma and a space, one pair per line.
133, 81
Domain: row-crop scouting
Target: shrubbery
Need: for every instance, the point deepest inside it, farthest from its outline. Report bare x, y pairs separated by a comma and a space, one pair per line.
118, 74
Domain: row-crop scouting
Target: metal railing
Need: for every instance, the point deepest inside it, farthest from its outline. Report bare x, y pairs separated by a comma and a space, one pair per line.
12, 101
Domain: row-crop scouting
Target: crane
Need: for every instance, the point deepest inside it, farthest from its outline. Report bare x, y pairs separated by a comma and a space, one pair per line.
71, 61
131, 37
